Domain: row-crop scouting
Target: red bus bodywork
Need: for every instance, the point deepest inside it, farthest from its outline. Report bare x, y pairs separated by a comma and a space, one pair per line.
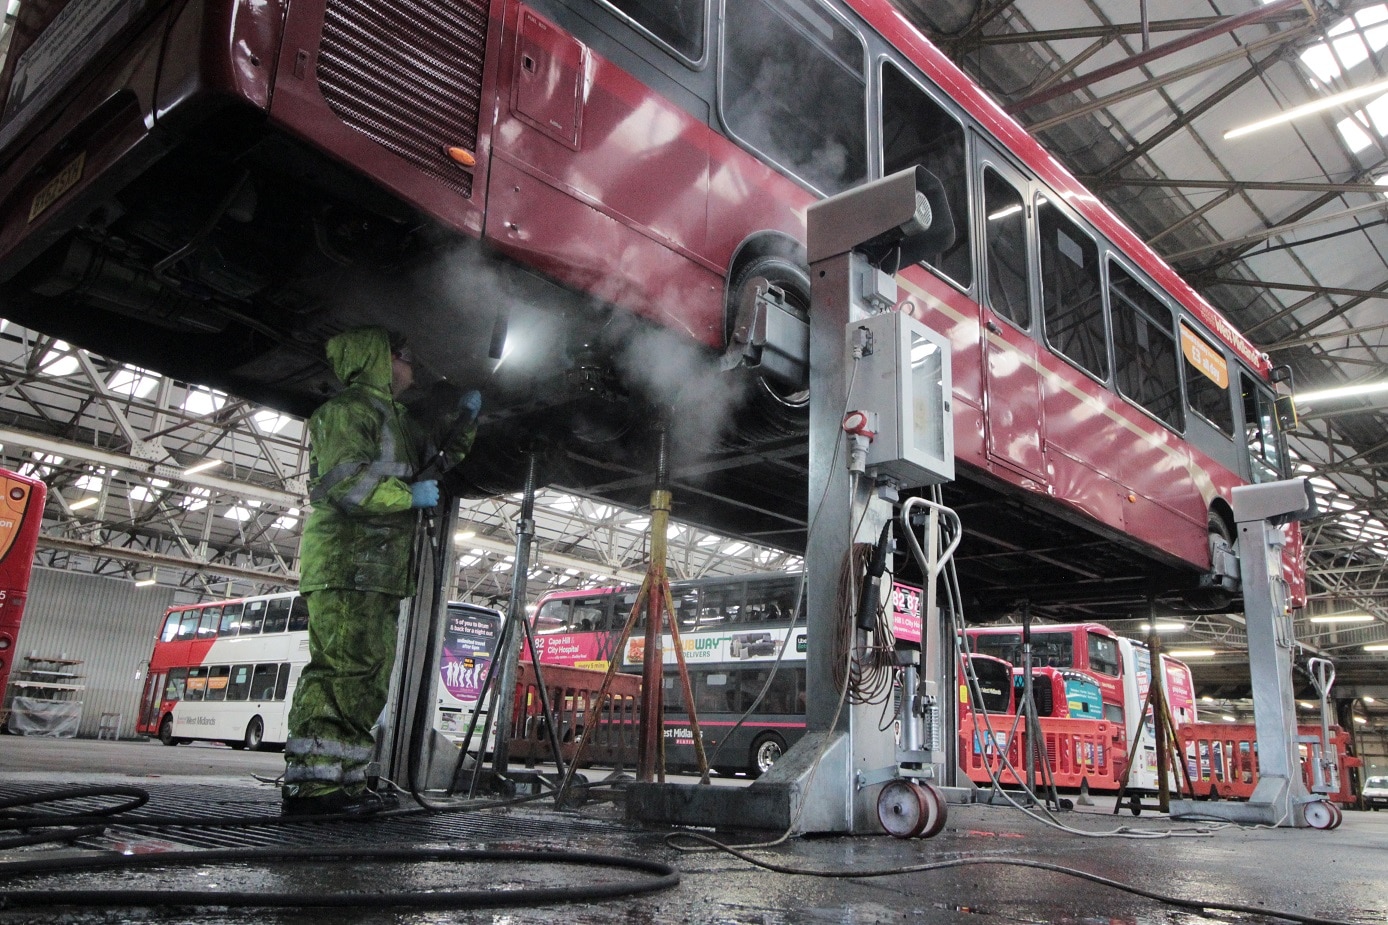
577, 154
21, 516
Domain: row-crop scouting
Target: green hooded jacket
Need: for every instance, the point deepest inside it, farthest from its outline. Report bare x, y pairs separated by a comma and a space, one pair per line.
363, 453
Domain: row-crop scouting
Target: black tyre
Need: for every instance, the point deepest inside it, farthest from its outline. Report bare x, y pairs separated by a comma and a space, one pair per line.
766, 751
255, 735
772, 409
166, 732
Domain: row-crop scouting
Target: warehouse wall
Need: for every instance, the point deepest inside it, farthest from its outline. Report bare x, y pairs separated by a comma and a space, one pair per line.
108, 623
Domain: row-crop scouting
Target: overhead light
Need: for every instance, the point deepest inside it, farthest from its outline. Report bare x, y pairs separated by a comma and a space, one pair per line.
1229, 719
146, 582
1347, 391
463, 535
1191, 653
85, 502
1169, 626
1307, 109
1367, 699
1207, 699
1343, 618
202, 466
1361, 721
1377, 647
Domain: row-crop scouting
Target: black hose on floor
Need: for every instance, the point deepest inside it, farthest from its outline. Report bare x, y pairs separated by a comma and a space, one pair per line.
663, 877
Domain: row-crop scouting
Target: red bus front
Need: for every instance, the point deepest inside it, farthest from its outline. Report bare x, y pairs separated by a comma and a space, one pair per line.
21, 516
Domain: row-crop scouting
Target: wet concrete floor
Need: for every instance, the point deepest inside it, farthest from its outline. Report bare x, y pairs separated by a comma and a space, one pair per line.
1339, 875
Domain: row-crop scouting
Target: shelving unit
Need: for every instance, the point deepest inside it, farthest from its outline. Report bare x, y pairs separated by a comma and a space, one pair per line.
47, 697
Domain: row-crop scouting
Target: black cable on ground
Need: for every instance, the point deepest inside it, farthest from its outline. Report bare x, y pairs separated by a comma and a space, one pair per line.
138, 798
663, 878
849, 874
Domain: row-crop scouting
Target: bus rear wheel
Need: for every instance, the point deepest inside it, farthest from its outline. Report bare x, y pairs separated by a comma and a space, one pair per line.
255, 735
766, 751
166, 731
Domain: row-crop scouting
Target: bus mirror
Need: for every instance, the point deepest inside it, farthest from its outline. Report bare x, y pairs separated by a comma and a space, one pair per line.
905, 216
1286, 411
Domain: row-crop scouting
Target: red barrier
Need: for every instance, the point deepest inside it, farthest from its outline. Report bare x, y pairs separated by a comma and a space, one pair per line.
1222, 759
1077, 751
611, 732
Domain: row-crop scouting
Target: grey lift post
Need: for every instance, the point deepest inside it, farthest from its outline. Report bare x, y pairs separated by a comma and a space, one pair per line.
1280, 796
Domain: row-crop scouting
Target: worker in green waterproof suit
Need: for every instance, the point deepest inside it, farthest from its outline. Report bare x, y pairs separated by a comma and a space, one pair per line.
365, 458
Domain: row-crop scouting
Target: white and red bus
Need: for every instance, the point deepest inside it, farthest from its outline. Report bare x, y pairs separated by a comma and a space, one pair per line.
749, 694
225, 671
194, 187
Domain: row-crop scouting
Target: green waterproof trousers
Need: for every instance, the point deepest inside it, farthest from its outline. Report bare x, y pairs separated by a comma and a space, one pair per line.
351, 644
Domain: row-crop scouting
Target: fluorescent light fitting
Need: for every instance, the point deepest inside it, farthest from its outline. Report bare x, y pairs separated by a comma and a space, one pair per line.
1347, 391
1191, 653
1367, 699
1230, 719
1377, 647
1343, 618
85, 502
202, 466
146, 582
1307, 109
1170, 626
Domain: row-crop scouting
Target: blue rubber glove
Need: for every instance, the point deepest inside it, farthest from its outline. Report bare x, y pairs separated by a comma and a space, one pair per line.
424, 493
470, 404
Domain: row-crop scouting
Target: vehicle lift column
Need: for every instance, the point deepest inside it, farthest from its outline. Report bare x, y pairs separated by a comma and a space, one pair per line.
831, 779
1280, 797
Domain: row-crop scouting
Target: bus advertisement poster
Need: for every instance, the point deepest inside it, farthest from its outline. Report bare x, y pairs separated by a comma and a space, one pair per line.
906, 613
749, 646
468, 643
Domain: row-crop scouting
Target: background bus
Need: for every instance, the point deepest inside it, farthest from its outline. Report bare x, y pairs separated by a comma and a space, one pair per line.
732, 630
1179, 688
1087, 648
21, 516
197, 188
226, 672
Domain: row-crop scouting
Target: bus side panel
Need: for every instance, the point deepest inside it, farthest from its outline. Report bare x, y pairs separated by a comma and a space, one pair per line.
220, 49
389, 90
593, 171
106, 124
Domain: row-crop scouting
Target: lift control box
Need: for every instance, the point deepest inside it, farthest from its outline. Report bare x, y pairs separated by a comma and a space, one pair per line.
900, 369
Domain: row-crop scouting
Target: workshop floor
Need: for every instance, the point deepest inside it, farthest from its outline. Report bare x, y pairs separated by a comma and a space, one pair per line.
492, 861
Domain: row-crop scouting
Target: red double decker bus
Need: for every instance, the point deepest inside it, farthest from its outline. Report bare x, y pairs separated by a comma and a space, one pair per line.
211, 188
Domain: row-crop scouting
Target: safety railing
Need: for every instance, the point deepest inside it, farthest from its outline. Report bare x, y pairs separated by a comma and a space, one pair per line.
610, 728
1223, 759
1078, 751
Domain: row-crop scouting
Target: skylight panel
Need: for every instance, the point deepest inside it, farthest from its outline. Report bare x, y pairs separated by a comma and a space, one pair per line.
1354, 136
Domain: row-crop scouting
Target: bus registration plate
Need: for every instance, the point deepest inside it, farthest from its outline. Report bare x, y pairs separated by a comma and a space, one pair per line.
65, 180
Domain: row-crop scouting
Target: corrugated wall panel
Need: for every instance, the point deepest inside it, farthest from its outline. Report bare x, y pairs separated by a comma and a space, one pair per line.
108, 623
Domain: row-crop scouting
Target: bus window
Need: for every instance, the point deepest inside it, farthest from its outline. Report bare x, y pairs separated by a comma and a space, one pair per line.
771, 599
217, 682
1071, 299
1005, 237
253, 618
553, 616
172, 625
1260, 430
298, 614
589, 613
239, 683
177, 684
1207, 380
678, 24
197, 683
686, 607
783, 696
211, 620
1144, 347
231, 620
282, 681
1103, 655
793, 90
277, 615
188, 628
721, 604
918, 130
712, 693
263, 682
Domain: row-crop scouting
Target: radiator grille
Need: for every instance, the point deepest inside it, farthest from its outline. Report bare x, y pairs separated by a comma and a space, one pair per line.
408, 75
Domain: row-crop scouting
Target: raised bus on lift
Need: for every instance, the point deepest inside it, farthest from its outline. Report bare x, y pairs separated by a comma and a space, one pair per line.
610, 195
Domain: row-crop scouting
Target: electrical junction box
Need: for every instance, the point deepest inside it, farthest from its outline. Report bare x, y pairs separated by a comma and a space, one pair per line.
904, 376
